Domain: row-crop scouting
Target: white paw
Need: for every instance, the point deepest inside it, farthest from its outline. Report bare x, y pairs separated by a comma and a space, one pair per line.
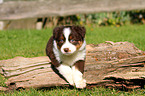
71, 82
69, 78
66, 72
81, 84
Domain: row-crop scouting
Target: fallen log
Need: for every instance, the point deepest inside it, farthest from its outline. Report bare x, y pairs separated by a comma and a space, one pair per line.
114, 65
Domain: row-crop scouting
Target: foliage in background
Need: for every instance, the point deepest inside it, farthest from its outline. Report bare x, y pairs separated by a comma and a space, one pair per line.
104, 19
137, 16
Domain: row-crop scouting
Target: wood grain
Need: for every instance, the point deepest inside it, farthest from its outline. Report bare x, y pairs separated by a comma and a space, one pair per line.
125, 73
20, 9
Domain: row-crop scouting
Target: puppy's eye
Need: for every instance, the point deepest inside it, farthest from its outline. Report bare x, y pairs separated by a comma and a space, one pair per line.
72, 41
61, 41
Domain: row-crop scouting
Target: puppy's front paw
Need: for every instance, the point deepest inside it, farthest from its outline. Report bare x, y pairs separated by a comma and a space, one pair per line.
71, 82
81, 84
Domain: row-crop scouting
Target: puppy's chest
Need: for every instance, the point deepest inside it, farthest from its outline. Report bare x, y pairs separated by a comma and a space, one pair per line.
70, 60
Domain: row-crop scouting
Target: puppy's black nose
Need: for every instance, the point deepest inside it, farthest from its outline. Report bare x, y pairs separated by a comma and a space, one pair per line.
66, 49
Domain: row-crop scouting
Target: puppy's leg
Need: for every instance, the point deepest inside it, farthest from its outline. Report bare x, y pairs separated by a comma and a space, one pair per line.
66, 72
78, 70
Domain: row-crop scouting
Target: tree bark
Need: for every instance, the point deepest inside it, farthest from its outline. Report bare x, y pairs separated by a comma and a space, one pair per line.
115, 65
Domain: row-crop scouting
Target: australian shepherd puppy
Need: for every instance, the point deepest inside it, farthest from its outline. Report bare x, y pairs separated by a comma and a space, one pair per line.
67, 50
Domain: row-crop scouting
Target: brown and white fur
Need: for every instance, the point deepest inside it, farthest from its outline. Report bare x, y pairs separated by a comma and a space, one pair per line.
67, 51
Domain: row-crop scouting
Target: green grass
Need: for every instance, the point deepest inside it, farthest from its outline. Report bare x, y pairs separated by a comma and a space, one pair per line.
32, 43
73, 92
27, 43
131, 33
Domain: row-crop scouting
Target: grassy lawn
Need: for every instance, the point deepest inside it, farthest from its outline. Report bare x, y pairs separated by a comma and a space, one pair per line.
32, 43
73, 92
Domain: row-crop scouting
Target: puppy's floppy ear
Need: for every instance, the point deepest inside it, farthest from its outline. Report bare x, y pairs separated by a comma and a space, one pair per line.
83, 31
80, 30
55, 32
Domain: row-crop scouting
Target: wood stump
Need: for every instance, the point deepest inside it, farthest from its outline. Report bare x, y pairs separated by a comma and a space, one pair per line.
118, 65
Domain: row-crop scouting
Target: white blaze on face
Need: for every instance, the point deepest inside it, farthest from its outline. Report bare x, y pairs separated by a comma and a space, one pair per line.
67, 44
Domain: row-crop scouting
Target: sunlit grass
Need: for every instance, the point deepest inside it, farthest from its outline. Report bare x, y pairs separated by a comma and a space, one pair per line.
73, 92
32, 43
131, 33
27, 43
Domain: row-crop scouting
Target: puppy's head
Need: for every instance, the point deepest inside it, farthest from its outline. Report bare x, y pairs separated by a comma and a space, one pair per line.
69, 39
